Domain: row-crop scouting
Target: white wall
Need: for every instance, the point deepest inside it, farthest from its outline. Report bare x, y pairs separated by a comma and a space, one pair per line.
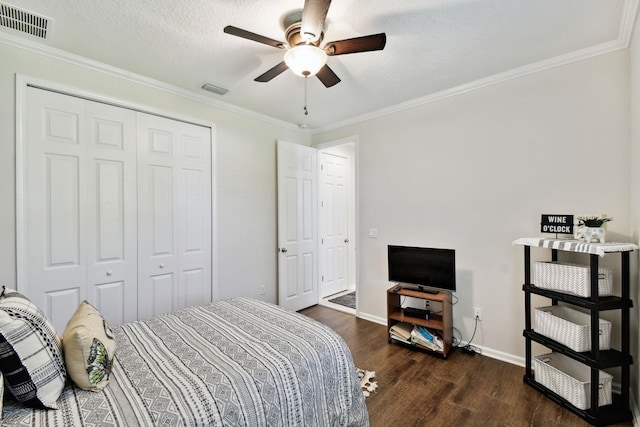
474, 172
635, 203
244, 169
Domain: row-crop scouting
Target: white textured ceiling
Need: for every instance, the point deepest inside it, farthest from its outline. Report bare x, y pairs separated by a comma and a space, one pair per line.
433, 46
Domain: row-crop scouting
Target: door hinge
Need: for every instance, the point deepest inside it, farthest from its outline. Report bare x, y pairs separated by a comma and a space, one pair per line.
323, 278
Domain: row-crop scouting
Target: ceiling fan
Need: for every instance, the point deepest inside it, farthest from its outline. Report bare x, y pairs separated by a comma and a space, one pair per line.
304, 35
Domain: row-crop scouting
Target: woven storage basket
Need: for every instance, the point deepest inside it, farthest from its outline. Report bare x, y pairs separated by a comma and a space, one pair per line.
570, 327
572, 278
571, 379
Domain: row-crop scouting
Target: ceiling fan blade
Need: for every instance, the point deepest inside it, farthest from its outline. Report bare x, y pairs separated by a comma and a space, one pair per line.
273, 72
239, 32
313, 16
327, 76
357, 44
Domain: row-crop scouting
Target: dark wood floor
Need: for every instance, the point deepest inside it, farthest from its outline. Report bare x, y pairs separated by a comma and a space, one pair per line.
420, 389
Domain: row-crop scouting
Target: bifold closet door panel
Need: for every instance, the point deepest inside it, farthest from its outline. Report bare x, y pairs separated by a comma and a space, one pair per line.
78, 174
174, 208
55, 258
112, 211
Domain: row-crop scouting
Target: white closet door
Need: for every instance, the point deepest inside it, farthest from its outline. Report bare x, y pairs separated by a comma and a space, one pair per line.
112, 212
174, 225
55, 254
78, 203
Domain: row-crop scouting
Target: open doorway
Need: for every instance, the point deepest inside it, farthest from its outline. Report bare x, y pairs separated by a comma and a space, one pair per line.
337, 218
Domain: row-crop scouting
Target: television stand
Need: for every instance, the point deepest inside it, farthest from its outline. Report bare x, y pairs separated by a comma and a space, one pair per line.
443, 323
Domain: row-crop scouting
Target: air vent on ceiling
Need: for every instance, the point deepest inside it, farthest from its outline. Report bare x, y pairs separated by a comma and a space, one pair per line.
26, 22
215, 89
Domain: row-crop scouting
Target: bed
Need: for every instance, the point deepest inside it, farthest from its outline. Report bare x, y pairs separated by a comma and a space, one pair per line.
237, 362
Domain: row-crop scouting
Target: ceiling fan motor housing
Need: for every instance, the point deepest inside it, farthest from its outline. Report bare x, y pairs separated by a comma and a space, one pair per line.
294, 38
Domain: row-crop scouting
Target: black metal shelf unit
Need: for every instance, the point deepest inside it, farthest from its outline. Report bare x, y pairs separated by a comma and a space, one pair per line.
596, 359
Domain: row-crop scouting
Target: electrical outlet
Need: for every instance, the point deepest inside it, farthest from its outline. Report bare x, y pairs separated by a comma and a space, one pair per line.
263, 290
477, 313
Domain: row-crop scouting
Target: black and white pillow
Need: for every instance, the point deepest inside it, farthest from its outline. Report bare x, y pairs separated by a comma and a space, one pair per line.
31, 359
1, 394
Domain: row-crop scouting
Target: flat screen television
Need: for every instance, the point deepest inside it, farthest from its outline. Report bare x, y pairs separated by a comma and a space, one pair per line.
422, 267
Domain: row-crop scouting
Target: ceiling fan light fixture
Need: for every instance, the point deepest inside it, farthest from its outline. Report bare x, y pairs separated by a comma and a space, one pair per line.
305, 60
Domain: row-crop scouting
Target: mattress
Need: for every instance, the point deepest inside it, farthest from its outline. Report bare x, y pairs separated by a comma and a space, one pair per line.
238, 362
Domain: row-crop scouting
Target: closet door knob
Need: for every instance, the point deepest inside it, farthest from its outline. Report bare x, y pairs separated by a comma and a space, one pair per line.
161, 265
283, 250
109, 272
346, 240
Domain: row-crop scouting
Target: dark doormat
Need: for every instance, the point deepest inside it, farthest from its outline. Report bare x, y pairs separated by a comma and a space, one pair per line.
348, 300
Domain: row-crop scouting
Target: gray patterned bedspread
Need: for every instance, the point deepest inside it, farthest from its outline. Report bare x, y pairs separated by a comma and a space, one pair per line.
238, 362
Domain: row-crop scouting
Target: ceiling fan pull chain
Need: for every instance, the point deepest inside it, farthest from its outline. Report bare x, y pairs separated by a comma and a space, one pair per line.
306, 112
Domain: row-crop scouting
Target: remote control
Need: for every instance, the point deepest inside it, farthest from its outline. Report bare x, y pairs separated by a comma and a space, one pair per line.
397, 288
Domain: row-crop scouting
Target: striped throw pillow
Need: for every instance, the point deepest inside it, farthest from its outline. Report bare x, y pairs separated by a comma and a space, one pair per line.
1, 394
31, 359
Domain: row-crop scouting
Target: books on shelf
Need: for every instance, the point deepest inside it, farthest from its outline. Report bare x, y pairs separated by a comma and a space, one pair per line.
413, 334
426, 338
397, 338
402, 330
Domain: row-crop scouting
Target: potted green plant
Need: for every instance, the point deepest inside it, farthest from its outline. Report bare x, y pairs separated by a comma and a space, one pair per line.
590, 228
592, 221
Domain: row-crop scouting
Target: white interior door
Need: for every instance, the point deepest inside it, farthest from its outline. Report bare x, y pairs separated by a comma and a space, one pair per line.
174, 225
333, 215
79, 207
297, 226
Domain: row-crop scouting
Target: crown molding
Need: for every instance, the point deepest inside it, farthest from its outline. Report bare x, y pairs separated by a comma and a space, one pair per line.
482, 83
628, 20
61, 55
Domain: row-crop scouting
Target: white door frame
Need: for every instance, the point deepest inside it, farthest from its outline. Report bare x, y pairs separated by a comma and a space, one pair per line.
24, 81
354, 234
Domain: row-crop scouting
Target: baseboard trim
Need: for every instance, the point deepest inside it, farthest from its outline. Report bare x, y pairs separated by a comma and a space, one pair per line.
514, 360
489, 352
634, 410
500, 355
371, 318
